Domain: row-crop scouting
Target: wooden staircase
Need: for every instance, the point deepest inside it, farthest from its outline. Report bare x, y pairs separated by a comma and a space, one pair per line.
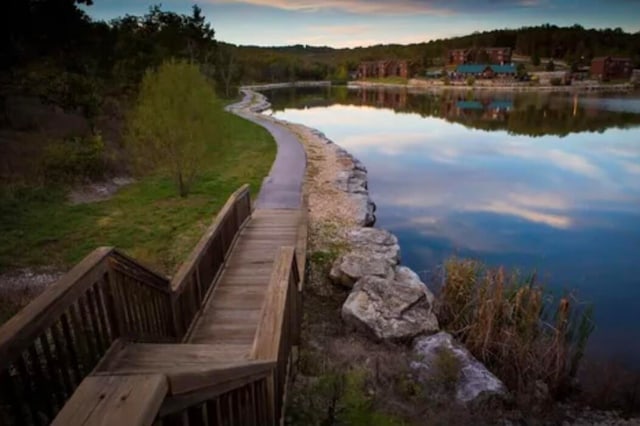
113, 343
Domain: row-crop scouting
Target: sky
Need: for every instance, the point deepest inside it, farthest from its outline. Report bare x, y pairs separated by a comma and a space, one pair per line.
351, 23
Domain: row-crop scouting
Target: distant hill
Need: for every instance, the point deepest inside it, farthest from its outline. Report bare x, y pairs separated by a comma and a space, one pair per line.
573, 45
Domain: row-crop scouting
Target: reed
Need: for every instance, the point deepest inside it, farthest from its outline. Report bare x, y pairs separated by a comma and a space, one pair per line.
512, 325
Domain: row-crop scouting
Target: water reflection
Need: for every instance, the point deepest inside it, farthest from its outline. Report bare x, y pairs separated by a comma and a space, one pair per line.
531, 114
547, 182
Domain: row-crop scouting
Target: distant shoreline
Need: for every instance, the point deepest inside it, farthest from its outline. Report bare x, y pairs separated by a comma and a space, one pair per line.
439, 86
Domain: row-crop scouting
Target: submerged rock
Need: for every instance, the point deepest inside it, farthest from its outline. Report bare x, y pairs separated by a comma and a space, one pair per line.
475, 384
394, 310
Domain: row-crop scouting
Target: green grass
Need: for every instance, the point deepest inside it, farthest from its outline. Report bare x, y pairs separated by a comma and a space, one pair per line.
148, 220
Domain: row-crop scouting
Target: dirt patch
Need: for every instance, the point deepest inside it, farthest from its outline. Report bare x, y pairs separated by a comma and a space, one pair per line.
97, 191
19, 287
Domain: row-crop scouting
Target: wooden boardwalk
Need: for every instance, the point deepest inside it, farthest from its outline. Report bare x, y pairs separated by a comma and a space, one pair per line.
231, 315
211, 346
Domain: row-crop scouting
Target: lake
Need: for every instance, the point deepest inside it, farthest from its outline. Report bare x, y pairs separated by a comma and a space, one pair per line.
544, 182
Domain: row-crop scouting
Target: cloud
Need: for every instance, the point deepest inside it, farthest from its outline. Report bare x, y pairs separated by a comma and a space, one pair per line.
528, 214
378, 7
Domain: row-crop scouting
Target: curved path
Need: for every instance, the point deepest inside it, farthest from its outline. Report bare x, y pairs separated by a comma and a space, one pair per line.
282, 188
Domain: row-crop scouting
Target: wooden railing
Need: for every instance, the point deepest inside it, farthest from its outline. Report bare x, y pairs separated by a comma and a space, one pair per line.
279, 327
193, 281
255, 394
48, 347
238, 396
52, 344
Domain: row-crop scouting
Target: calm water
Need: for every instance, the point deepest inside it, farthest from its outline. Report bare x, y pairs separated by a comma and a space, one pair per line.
536, 182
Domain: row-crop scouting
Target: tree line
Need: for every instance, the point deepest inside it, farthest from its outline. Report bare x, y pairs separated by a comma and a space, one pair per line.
54, 50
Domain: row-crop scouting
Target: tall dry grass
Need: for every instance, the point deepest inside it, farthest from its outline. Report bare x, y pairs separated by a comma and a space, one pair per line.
510, 324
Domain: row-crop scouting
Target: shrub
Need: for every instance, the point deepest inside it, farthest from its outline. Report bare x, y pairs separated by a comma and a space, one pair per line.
471, 81
176, 114
74, 159
446, 80
511, 325
339, 397
556, 81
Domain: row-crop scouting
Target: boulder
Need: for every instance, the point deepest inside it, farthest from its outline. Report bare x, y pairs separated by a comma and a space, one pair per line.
349, 268
374, 240
408, 277
475, 383
389, 310
365, 209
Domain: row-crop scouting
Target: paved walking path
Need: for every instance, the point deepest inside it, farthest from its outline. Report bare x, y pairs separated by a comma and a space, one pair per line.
282, 189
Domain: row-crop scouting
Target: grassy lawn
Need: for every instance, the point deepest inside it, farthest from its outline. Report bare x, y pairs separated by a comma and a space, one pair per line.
147, 219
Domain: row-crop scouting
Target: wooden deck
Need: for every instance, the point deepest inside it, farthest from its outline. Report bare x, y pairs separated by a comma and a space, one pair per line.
231, 315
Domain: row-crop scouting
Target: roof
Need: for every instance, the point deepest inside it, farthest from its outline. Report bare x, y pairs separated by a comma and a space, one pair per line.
469, 105
480, 68
471, 68
504, 69
501, 104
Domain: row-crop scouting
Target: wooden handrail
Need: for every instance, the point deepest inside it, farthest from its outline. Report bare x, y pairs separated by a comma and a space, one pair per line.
278, 328
25, 326
193, 282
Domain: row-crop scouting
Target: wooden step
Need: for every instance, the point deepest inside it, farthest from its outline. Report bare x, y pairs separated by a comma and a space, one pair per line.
141, 358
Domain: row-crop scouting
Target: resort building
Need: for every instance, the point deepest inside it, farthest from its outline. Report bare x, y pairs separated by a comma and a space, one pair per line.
492, 55
607, 68
486, 71
383, 68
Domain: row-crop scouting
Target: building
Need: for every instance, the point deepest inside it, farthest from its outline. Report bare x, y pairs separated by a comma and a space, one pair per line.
486, 71
492, 55
383, 68
606, 68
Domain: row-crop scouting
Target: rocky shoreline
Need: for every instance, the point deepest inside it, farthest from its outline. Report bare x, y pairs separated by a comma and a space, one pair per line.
387, 301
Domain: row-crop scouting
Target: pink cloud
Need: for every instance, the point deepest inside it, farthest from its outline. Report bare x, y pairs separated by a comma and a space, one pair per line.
352, 6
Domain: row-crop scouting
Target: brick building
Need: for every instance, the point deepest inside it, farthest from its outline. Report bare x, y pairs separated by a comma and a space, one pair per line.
606, 68
383, 68
492, 55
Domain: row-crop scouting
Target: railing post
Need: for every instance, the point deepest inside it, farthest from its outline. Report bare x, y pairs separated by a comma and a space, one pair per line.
114, 308
175, 318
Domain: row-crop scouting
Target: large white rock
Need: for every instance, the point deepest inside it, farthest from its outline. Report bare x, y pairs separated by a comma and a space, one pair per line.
407, 276
374, 240
349, 268
373, 252
389, 309
475, 381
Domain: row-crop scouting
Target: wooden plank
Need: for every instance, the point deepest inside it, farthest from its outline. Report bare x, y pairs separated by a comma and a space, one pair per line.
234, 316
193, 380
190, 264
227, 334
176, 403
115, 400
171, 358
269, 331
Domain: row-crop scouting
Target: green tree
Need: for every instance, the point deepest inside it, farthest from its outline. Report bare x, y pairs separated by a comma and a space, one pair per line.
535, 59
175, 114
